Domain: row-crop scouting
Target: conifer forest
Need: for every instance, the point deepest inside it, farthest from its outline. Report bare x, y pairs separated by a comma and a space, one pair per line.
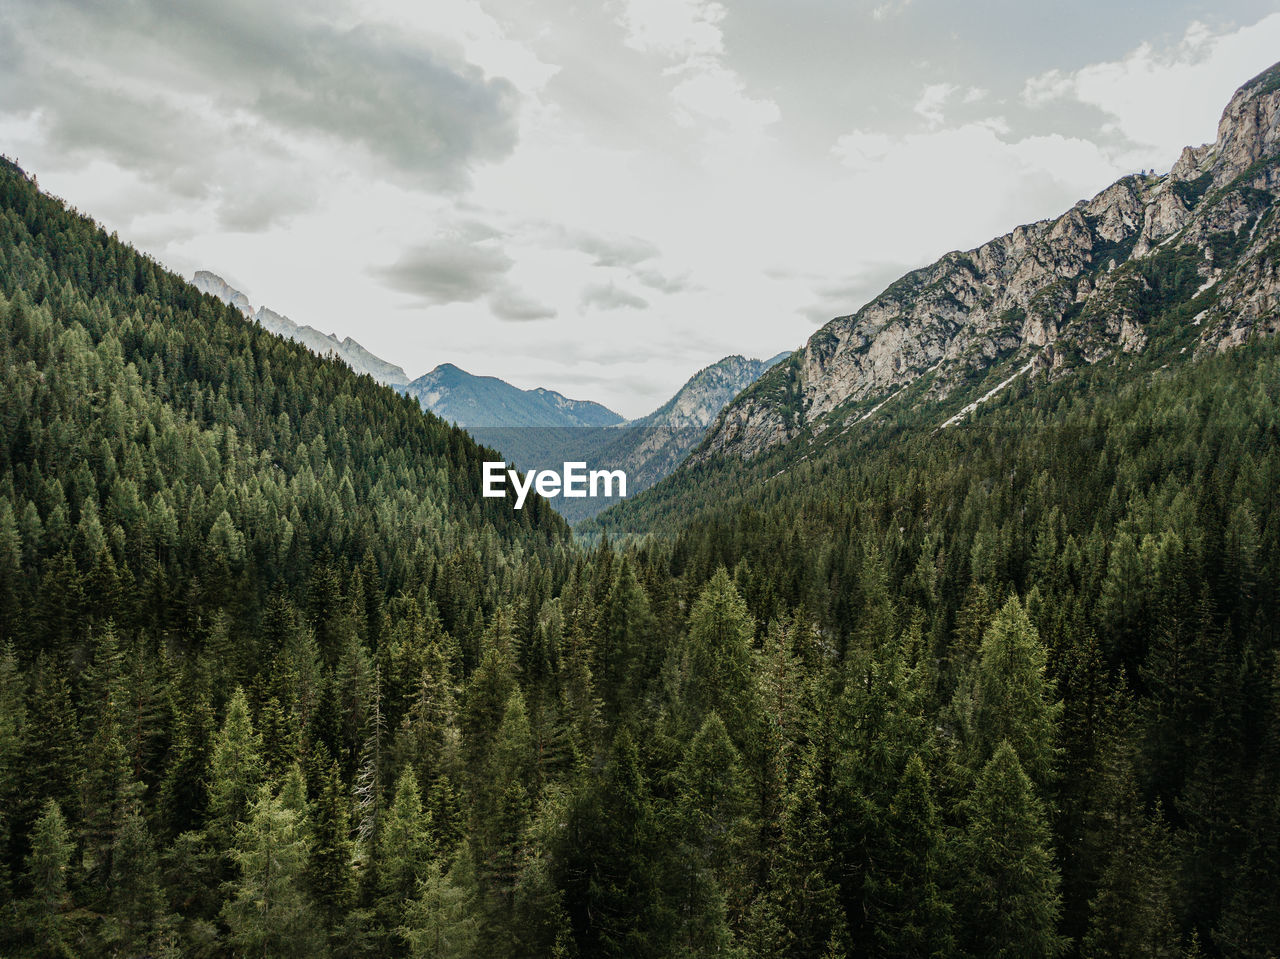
276, 681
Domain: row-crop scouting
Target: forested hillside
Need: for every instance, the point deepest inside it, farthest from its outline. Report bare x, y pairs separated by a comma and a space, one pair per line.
274, 682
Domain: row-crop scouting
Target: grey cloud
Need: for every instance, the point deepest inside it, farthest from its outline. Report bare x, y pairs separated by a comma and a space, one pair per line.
625, 251
477, 230
657, 280
423, 113
632, 255
628, 253
607, 296
145, 134
447, 270
511, 304
850, 295
264, 204
251, 185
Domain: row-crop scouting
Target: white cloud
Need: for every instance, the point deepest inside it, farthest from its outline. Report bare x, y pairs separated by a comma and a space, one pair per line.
688, 35
958, 186
679, 29
709, 91
890, 8
932, 99
1159, 100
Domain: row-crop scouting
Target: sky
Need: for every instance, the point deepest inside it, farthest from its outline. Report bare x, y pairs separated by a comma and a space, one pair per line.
598, 197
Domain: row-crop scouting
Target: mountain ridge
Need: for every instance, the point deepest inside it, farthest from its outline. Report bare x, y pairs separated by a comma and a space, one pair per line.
325, 344
646, 449
471, 400
725, 378
1077, 288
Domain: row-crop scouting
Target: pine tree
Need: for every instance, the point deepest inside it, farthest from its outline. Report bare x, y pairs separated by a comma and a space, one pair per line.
269, 912
329, 870
709, 830
431, 714
608, 869
1132, 913
52, 740
1249, 925
1007, 885
501, 817
137, 920
45, 911
183, 793
484, 703
439, 923
353, 690
13, 717
109, 796
797, 910
715, 674
540, 924
911, 916
1008, 698
10, 568
368, 788
444, 817
235, 770
406, 851
626, 639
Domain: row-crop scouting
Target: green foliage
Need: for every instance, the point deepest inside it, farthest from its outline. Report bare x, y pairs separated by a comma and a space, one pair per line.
714, 671
235, 769
911, 914
439, 923
406, 851
268, 911
45, 912
1190, 191
1008, 698
276, 680
1007, 885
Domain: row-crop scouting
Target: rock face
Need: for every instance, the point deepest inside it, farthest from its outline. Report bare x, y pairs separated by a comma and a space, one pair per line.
207, 282
326, 344
486, 401
651, 447
541, 429
1079, 288
700, 400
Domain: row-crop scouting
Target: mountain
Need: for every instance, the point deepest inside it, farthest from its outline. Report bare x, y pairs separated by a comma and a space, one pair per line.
326, 344
275, 678
485, 401
697, 403
651, 447
647, 449
1187, 256
211, 283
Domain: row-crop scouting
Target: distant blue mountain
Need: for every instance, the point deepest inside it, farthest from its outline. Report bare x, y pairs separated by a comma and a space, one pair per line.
540, 429
486, 401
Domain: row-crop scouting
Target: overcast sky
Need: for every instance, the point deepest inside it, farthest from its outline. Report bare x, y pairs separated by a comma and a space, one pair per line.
598, 197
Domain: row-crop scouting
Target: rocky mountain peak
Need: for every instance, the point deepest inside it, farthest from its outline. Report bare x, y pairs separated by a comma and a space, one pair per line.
1197, 246
207, 282
1248, 131
325, 344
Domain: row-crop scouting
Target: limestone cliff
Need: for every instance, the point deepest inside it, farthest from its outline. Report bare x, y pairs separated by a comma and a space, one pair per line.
1079, 288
